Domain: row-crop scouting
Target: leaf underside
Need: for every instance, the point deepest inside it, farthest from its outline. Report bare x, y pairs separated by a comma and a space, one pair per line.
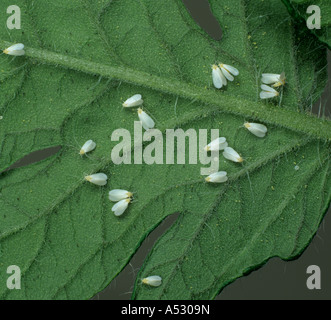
60, 230
298, 10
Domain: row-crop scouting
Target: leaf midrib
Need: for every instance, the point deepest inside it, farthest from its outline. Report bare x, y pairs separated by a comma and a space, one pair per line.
269, 114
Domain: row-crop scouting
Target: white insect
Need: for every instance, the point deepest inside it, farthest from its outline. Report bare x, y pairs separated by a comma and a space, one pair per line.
153, 281
232, 155
15, 50
218, 78
217, 177
146, 121
99, 179
268, 92
228, 71
120, 207
134, 101
257, 129
119, 194
276, 80
217, 144
87, 147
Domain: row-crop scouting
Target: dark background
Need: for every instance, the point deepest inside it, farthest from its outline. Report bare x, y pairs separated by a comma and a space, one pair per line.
277, 279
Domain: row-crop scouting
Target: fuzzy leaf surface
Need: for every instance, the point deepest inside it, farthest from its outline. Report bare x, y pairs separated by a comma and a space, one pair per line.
83, 59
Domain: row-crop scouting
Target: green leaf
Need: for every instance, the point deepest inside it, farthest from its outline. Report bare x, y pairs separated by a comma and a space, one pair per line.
83, 59
298, 10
